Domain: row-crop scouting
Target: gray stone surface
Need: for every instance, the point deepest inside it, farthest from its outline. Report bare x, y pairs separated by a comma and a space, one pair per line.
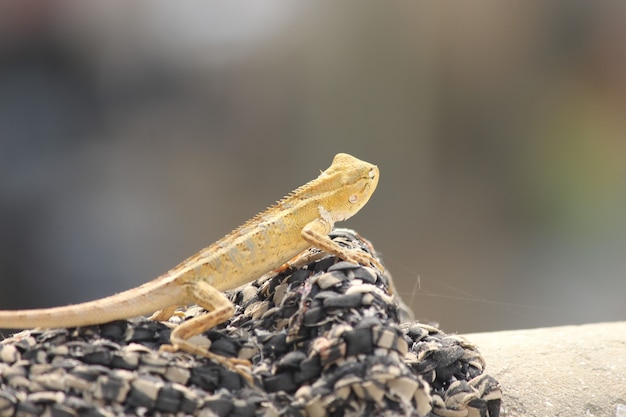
559, 371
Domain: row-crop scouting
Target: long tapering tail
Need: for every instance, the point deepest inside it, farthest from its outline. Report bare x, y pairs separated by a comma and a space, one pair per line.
147, 298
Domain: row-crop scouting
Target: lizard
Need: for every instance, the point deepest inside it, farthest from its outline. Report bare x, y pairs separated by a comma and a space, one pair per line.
295, 223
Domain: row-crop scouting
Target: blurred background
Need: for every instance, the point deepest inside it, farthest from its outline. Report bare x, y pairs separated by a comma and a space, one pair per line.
133, 134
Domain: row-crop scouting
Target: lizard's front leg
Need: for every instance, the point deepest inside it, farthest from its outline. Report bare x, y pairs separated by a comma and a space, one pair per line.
316, 233
219, 309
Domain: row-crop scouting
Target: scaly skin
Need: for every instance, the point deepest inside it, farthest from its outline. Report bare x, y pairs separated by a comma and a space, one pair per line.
295, 223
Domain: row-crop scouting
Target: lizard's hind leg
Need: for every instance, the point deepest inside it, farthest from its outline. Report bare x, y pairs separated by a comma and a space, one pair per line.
219, 309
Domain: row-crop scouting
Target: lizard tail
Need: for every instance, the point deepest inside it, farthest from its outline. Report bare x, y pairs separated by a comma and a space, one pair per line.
147, 298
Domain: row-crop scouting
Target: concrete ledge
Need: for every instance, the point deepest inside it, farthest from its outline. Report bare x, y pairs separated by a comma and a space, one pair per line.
559, 371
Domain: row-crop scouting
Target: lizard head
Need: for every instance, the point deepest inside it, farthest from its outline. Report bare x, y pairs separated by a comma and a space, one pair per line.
354, 182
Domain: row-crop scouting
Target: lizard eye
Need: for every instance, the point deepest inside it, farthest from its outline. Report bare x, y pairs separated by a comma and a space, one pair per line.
353, 198
371, 173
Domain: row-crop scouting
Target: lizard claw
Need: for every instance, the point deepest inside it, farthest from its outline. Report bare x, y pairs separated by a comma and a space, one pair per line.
363, 258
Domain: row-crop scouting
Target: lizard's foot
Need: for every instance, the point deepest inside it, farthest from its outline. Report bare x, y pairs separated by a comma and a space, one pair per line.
363, 258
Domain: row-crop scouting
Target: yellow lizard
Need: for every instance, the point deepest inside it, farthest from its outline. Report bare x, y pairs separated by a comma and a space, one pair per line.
295, 223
